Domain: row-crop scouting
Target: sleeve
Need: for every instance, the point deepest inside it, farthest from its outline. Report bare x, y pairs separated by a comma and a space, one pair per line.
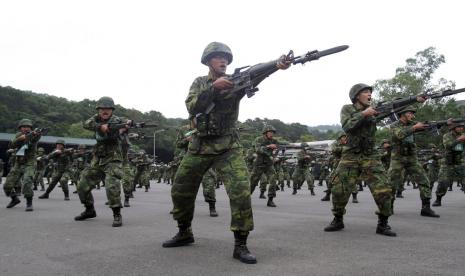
201, 95
398, 132
350, 118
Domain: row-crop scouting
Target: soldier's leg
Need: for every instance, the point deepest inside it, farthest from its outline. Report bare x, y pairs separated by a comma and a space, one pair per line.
27, 182
446, 173
271, 176
280, 177
264, 181
127, 184
13, 177
55, 179
419, 176
395, 173
310, 181
255, 177
208, 187
41, 180
89, 178
64, 184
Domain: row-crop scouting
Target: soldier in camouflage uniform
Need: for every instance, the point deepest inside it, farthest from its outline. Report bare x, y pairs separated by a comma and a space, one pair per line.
279, 168
208, 186
216, 144
404, 158
432, 165
336, 152
106, 163
265, 146
62, 173
142, 170
249, 158
302, 171
451, 166
81, 160
359, 160
41, 164
25, 145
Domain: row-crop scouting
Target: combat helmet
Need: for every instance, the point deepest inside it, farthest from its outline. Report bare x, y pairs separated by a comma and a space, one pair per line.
357, 89
25, 122
341, 134
267, 128
60, 141
40, 150
385, 141
454, 125
216, 48
105, 102
406, 109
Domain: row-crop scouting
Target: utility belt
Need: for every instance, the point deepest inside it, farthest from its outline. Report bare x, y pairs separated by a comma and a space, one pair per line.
206, 125
361, 145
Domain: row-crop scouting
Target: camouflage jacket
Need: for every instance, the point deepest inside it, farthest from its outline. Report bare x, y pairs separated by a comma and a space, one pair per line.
360, 131
304, 160
403, 140
63, 159
41, 162
108, 147
30, 146
453, 149
336, 152
264, 154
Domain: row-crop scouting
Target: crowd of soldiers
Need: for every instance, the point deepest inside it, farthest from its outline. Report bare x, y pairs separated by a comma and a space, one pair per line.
209, 153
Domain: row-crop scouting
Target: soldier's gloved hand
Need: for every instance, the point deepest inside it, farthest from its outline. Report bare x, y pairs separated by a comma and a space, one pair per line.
283, 63
272, 146
370, 111
421, 99
104, 128
419, 126
222, 84
22, 137
461, 138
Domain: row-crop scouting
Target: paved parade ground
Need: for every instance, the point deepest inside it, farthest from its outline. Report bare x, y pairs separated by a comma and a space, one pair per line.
287, 240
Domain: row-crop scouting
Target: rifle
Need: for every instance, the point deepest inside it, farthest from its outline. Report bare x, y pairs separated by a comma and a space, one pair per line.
390, 108
249, 78
36, 132
436, 125
129, 124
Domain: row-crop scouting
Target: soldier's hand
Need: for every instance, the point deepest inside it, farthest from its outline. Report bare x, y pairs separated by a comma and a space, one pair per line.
272, 146
104, 128
189, 138
461, 138
419, 126
222, 84
283, 63
22, 137
421, 99
370, 111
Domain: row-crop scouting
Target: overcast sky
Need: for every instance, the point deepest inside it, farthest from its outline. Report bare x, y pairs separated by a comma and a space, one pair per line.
145, 54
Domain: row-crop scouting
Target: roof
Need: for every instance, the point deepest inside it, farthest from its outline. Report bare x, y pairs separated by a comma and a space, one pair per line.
53, 139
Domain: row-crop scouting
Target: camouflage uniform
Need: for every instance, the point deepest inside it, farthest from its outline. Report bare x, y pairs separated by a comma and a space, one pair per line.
336, 153
208, 186
2, 165
279, 169
81, 160
302, 172
41, 164
451, 166
263, 164
433, 166
61, 173
142, 172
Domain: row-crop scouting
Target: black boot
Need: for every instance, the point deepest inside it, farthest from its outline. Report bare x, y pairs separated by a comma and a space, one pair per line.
212, 208
288, 184
126, 201
354, 198
360, 187
262, 195
437, 202
335, 225
399, 194
117, 218
35, 188
383, 227
182, 238
426, 209
282, 188
327, 197
312, 192
66, 195
146, 189
14, 201
29, 204
241, 252
294, 191
44, 195
270, 202
89, 212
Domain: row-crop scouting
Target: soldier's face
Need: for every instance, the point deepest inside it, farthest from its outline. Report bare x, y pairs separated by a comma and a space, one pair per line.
459, 129
343, 140
386, 145
218, 64
409, 116
60, 146
269, 134
105, 113
364, 97
25, 129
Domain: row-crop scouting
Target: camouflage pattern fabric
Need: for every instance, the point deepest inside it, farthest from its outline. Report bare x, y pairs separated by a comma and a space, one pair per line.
208, 185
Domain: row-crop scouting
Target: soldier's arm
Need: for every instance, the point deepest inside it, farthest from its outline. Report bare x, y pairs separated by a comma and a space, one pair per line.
449, 141
260, 148
401, 133
350, 118
201, 95
90, 124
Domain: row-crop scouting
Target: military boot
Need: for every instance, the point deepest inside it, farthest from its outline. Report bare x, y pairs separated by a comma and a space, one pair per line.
312, 192
383, 227
146, 189
44, 195
126, 201
450, 188
327, 197
117, 218
282, 188
288, 184
335, 225
294, 191
29, 204
89, 212
437, 202
426, 209
360, 187
354, 198
14, 201
35, 188
262, 195
182, 238
241, 252
212, 208
399, 194
270, 202
66, 195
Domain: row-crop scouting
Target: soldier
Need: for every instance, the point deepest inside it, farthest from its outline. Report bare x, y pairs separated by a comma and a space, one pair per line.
265, 146
106, 163
359, 160
81, 160
302, 171
451, 166
404, 158
279, 168
208, 186
216, 144
336, 152
142, 168
25, 145
433, 164
41, 164
61, 174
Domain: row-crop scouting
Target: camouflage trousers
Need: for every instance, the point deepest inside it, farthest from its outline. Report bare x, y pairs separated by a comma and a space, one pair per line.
350, 170
270, 174
302, 175
447, 174
433, 174
231, 166
127, 179
408, 166
324, 177
111, 173
280, 177
20, 175
287, 177
208, 186
59, 176
39, 178
140, 178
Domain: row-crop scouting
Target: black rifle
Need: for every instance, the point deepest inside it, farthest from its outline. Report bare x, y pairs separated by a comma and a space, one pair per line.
249, 78
130, 124
436, 125
390, 108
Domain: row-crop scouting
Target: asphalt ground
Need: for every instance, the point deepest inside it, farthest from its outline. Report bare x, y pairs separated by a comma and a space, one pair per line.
287, 240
